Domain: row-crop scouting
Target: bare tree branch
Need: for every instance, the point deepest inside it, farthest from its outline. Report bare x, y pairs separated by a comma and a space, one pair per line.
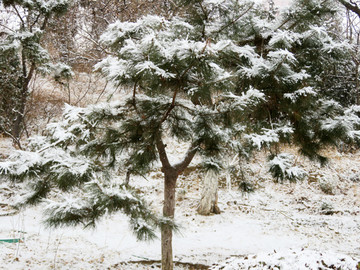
350, 5
180, 167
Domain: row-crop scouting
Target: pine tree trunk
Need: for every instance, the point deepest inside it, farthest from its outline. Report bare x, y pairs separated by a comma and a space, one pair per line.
19, 120
24, 93
209, 199
168, 211
171, 174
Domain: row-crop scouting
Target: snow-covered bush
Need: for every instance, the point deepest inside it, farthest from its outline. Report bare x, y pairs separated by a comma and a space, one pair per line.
282, 168
327, 186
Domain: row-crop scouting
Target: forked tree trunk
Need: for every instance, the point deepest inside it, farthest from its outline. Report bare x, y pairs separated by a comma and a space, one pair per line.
171, 174
166, 230
209, 198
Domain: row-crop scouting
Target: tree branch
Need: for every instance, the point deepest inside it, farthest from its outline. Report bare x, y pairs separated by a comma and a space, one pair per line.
162, 154
172, 106
207, 42
351, 6
235, 20
18, 14
35, 21
180, 167
134, 97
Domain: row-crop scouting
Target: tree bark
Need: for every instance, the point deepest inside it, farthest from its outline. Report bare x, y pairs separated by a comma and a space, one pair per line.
168, 211
351, 6
171, 174
209, 199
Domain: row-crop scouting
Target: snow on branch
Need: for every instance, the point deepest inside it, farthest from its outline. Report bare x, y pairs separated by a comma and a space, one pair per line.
120, 30
282, 168
151, 67
99, 200
268, 136
346, 125
281, 56
284, 38
240, 102
303, 92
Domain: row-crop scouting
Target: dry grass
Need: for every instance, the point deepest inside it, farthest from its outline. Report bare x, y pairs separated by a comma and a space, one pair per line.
48, 98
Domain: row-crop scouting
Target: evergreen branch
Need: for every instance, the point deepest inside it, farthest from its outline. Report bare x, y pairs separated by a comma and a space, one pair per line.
204, 11
206, 18
235, 20
283, 23
172, 106
193, 62
134, 98
40, 190
296, 22
99, 202
162, 153
18, 14
35, 21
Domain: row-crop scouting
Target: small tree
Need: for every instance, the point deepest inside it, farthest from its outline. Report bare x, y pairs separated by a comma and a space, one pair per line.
223, 76
21, 45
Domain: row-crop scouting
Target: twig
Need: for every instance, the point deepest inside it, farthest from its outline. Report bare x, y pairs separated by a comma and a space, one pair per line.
234, 21
102, 92
56, 250
267, 209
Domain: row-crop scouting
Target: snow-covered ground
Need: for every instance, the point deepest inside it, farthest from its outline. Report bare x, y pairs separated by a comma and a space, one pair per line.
279, 226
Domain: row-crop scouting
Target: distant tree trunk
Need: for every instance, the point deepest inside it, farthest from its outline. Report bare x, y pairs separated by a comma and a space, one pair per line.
19, 120
22, 98
168, 211
209, 199
127, 178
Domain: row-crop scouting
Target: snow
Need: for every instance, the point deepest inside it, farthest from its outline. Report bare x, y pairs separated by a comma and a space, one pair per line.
281, 55
289, 259
277, 224
148, 65
267, 136
250, 97
284, 37
305, 91
284, 162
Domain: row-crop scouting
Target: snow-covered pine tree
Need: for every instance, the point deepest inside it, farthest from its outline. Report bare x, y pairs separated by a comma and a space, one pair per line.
297, 51
179, 92
293, 59
221, 75
21, 45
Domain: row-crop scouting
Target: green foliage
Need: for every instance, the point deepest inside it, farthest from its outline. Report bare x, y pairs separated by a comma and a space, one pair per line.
21, 46
40, 189
223, 76
101, 201
327, 209
281, 167
46, 8
246, 187
11, 82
